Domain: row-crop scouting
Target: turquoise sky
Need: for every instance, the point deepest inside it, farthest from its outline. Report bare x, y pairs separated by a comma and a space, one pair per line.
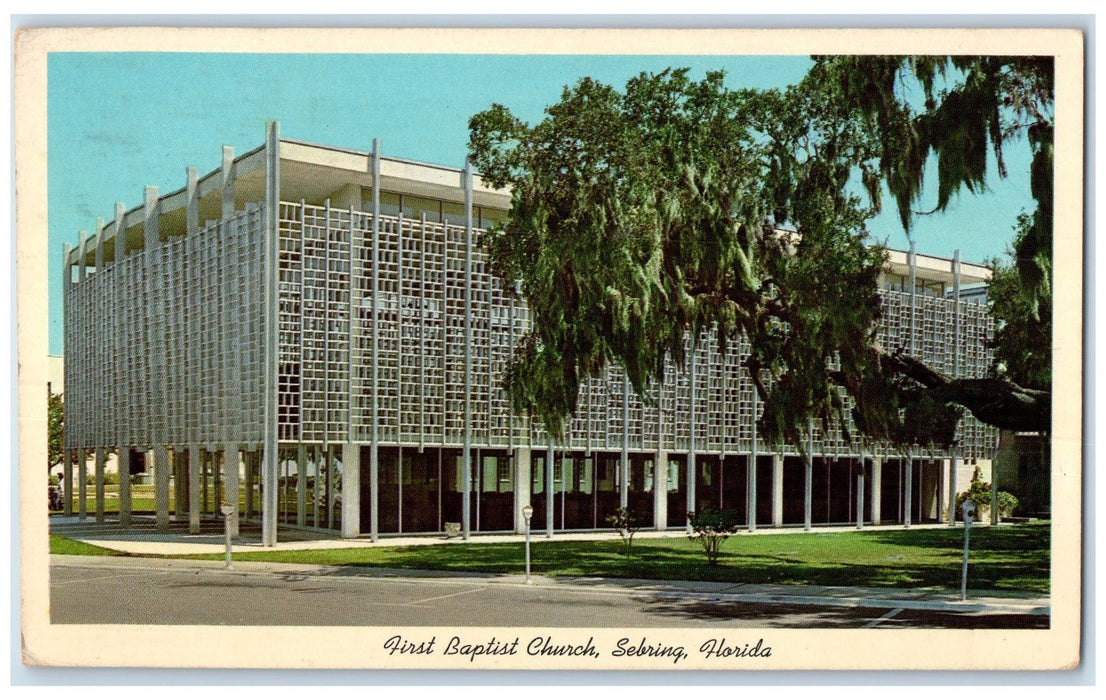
120, 121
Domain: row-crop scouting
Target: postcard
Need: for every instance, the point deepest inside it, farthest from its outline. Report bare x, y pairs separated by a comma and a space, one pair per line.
590, 349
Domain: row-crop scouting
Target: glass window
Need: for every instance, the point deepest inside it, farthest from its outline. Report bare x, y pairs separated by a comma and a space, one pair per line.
389, 204
454, 213
489, 216
414, 207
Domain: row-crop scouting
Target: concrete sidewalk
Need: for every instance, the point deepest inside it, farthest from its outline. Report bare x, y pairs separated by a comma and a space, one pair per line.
141, 540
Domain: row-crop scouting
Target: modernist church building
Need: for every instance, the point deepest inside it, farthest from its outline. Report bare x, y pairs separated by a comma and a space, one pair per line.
318, 327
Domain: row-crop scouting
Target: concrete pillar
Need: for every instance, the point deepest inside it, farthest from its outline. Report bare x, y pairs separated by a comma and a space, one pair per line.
777, 490
860, 493
660, 490
195, 466
216, 482
67, 482
523, 477
951, 497
180, 485
161, 487
230, 483
99, 466
351, 490
877, 489
82, 485
751, 488
124, 485
301, 484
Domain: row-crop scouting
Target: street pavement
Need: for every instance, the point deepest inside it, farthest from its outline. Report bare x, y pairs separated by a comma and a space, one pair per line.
139, 590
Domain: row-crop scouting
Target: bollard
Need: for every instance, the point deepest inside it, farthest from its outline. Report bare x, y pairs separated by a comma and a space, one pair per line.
969, 511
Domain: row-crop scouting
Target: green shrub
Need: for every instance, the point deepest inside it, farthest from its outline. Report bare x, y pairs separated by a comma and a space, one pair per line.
627, 524
980, 492
712, 528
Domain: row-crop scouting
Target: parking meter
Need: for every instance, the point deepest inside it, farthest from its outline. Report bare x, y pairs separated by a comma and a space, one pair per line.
227, 510
968, 509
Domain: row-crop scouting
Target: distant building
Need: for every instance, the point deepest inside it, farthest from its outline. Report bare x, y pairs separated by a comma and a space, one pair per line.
326, 317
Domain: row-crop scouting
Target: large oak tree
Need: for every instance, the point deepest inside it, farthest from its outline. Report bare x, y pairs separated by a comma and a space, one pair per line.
678, 207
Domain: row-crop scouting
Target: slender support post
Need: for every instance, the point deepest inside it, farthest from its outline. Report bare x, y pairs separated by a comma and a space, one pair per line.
67, 483
351, 490
808, 491
908, 490
99, 466
877, 489
523, 477
230, 483
692, 458
301, 484
374, 436
124, 486
465, 505
549, 501
624, 464
751, 480
777, 490
195, 464
269, 476
953, 467
161, 486
860, 491
82, 484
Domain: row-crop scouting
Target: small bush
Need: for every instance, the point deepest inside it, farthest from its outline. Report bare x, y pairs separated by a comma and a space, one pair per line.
627, 524
980, 492
712, 528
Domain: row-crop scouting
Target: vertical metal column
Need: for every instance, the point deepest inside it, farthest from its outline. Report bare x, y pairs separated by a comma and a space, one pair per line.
374, 436
954, 457
99, 456
272, 338
467, 467
549, 486
860, 490
624, 465
329, 485
692, 467
808, 494
751, 481
908, 486
301, 484
422, 333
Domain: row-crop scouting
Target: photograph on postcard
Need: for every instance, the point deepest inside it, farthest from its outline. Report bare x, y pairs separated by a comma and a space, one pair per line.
551, 349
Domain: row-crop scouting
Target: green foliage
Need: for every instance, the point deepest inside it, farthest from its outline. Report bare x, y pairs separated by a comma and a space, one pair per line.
980, 492
645, 216
1022, 341
627, 524
711, 528
972, 106
55, 421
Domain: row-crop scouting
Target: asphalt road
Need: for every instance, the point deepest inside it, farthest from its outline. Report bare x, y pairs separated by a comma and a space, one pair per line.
187, 594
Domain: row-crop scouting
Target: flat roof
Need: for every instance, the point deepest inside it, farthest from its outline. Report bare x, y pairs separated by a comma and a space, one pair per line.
311, 172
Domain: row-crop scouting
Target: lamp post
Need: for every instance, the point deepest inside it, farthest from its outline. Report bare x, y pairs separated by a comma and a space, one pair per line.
527, 511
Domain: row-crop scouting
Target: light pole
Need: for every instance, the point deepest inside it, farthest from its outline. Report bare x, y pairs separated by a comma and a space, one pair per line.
527, 511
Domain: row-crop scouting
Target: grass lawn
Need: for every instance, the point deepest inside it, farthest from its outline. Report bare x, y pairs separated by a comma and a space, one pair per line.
64, 545
1012, 558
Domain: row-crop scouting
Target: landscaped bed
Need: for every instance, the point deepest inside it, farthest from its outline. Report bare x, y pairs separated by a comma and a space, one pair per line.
1014, 558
